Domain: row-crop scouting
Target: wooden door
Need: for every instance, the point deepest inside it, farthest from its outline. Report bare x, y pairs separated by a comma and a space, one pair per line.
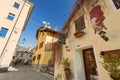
89, 63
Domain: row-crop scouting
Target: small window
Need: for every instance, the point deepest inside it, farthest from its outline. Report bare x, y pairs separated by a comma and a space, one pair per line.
16, 5
48, 47
3, 32
38, 57
41, 45
11, 16
21, 54
116, 3
80, 24
30, 56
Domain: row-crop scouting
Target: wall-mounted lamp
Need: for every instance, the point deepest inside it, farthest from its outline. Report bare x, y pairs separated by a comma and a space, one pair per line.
67, 48
103, 35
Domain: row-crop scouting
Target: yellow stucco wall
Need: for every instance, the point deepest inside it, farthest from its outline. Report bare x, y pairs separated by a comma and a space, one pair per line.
91, 40
48, 37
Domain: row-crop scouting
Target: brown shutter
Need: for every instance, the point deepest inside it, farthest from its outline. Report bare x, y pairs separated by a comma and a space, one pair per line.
79, 24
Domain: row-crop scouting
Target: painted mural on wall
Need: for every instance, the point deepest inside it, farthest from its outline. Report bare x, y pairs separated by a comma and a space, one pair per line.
97, 17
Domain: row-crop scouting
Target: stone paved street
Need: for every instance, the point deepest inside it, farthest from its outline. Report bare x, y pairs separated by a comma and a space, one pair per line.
25, 73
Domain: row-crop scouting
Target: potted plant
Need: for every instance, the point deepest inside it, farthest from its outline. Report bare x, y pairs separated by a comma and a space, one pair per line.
66, 65
111, 63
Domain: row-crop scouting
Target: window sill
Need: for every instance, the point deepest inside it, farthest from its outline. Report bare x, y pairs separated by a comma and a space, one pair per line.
79, 34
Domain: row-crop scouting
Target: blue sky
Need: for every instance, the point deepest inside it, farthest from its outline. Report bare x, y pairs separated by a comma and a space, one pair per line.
53, 11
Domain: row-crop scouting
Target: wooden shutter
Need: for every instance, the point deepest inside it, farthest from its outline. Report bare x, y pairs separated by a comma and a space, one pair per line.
79, 24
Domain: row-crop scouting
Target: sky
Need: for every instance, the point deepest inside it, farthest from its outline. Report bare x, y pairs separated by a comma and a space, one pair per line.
55, 12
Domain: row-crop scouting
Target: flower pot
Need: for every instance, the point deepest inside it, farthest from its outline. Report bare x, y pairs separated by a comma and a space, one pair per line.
67, 73
79, 34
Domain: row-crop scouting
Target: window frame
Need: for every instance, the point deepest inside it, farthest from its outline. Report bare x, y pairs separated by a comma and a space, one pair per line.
11, 16
4, 33
21, 55
48, 47
41, 44
79, 24
16, 5
39, 57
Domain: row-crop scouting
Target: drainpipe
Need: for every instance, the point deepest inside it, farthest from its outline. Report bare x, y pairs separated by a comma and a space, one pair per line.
3, 51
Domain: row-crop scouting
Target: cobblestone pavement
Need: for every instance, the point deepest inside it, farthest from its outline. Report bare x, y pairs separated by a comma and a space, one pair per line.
25, 73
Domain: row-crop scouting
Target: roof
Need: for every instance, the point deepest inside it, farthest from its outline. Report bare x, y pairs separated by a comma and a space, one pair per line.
24, 50
74, 11
20, 48
48, 30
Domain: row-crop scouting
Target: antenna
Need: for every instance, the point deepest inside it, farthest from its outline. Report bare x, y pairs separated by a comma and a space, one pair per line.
46, 24
55, 29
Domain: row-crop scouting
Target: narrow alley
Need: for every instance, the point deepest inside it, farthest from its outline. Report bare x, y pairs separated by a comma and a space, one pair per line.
25, 73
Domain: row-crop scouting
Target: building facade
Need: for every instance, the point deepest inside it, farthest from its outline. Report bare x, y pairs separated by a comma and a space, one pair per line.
86, 46
14, 16
43, 52
23, 56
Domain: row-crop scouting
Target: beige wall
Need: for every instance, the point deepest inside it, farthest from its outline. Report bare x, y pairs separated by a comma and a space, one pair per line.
6, 6
89, 40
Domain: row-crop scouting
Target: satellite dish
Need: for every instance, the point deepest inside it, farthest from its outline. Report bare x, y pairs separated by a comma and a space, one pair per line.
48, 23
44, 22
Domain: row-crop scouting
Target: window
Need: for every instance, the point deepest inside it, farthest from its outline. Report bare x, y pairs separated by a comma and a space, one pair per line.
21, 54
3, 32
10, 16
116, 3
48, 47
41, 45
30, 56
38, 57
16, 5
79, 24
